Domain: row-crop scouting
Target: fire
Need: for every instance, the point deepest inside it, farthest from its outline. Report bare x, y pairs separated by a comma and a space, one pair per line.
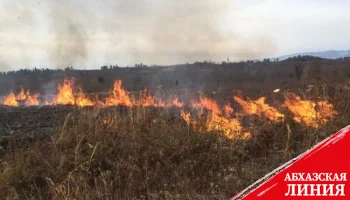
22, 95
210, 114
259, 108
228, 110
109, 121
66, 95
210, 104
28, 100
186, 116
177, 103
308, 112
215, 121
10, 100
119, 96
32, 100
82, 100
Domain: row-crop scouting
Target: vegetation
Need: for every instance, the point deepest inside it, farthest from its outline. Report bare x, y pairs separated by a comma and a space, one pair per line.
144, 152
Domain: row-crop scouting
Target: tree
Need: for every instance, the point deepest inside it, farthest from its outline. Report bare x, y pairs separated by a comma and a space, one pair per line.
298, 70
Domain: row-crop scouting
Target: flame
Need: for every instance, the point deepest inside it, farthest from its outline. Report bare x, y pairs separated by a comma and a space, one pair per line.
259, 108
32, 100
213, 116
228, 110
306, 112
28, 100
10, 100
186, 116
119, 96
230, 127
177, 103
149, 100
109, 121
210, 104
82, 100
22, 95
66, 95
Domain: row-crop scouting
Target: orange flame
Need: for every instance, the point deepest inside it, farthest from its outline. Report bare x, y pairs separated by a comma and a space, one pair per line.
218, 118
10, 100
66, 95
259, 108
32, 100
186, 116
28, 100
306, 112
22, 95
119, 96
230, 127
82, 100
177, 103
228, 110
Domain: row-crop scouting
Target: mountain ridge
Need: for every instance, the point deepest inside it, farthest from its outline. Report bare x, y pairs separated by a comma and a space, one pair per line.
330, 54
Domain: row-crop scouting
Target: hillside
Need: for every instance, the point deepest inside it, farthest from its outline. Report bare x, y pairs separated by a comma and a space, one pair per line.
331, 54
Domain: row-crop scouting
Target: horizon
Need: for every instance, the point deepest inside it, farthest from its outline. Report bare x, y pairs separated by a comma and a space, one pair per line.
285, 57
91, 34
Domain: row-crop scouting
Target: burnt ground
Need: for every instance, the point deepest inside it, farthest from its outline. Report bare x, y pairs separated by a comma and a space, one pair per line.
27, 123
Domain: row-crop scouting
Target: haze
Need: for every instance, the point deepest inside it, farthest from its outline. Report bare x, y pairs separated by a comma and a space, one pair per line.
88, 34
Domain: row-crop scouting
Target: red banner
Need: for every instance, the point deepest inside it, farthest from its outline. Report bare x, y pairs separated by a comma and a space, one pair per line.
319, 173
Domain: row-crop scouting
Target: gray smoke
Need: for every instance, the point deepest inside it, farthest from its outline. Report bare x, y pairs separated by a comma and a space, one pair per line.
93, 33
69, 37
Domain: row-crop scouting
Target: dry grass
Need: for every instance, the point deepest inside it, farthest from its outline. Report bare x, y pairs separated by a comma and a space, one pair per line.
148, 153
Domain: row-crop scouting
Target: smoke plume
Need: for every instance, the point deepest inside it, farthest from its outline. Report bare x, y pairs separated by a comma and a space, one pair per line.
88, 34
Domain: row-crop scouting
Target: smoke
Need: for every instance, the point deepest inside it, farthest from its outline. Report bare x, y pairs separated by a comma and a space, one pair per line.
14, 18
92, 33
69, 37
185, 31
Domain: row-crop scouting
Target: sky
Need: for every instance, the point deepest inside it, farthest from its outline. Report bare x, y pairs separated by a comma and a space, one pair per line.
89, 34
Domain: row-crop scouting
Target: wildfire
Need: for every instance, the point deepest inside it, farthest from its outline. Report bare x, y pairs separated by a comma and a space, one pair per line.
308, 112
67, 96
259, 108
10, 100
119, 96
230, 127
149, 100
28, 100
228, 110
177, 103
210, 116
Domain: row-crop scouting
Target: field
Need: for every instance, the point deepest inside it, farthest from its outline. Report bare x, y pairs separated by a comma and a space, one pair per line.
168, 142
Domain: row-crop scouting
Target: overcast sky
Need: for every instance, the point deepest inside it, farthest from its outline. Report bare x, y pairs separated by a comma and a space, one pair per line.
88, 34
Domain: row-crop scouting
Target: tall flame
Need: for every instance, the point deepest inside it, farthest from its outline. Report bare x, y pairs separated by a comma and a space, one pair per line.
119, 96
10, 100
65, 94
22, 95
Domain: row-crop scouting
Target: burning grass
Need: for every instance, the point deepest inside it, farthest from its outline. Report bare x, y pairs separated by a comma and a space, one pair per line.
146, 148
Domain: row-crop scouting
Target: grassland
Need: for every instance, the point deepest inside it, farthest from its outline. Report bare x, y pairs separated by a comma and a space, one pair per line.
152, 153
